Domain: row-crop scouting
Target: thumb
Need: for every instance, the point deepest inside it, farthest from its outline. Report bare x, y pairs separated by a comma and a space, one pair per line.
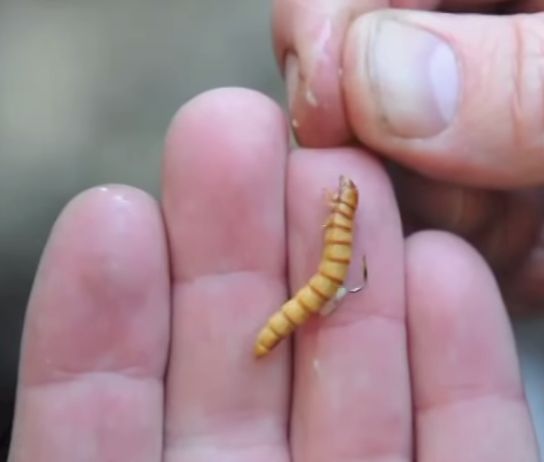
456, 97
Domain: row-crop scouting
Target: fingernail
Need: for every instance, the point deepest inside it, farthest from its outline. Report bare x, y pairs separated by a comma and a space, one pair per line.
415, 75
291, 78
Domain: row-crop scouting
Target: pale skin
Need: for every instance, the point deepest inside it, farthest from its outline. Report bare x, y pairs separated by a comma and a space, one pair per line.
139, 335
113, 368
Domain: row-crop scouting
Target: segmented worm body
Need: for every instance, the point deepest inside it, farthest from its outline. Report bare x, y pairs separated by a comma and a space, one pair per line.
324, 285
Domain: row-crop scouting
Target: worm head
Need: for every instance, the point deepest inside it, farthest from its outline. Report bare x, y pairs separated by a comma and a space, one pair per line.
348, 190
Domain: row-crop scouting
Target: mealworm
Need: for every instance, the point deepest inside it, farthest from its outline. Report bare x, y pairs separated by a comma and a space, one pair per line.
328, 281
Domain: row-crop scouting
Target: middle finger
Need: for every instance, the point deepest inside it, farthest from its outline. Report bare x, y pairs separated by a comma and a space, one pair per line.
223, 202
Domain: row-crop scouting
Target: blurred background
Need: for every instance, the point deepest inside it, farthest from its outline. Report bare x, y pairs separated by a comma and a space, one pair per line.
87, 90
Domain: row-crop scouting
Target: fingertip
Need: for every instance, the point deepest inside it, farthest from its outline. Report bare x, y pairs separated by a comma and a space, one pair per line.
426, 253
108, 197
103, 213
448, 278
461, 341
308, 39
232, 105
105, 259
108, 218
218, 128
282, 31
225, 154
315, 103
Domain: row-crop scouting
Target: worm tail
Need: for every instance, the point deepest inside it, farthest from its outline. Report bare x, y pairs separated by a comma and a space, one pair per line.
295, 312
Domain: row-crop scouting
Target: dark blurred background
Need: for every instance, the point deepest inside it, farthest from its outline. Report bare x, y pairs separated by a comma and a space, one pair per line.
87, 90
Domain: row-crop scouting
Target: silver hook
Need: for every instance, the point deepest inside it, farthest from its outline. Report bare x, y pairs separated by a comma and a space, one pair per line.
343, 291
365, 279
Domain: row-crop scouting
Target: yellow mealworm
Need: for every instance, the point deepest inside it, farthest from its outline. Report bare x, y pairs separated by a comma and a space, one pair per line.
327, 283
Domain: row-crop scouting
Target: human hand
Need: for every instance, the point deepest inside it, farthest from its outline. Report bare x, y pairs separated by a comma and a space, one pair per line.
139, 336
453, 100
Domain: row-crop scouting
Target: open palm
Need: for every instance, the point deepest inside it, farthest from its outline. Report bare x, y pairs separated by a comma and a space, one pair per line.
139, 337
